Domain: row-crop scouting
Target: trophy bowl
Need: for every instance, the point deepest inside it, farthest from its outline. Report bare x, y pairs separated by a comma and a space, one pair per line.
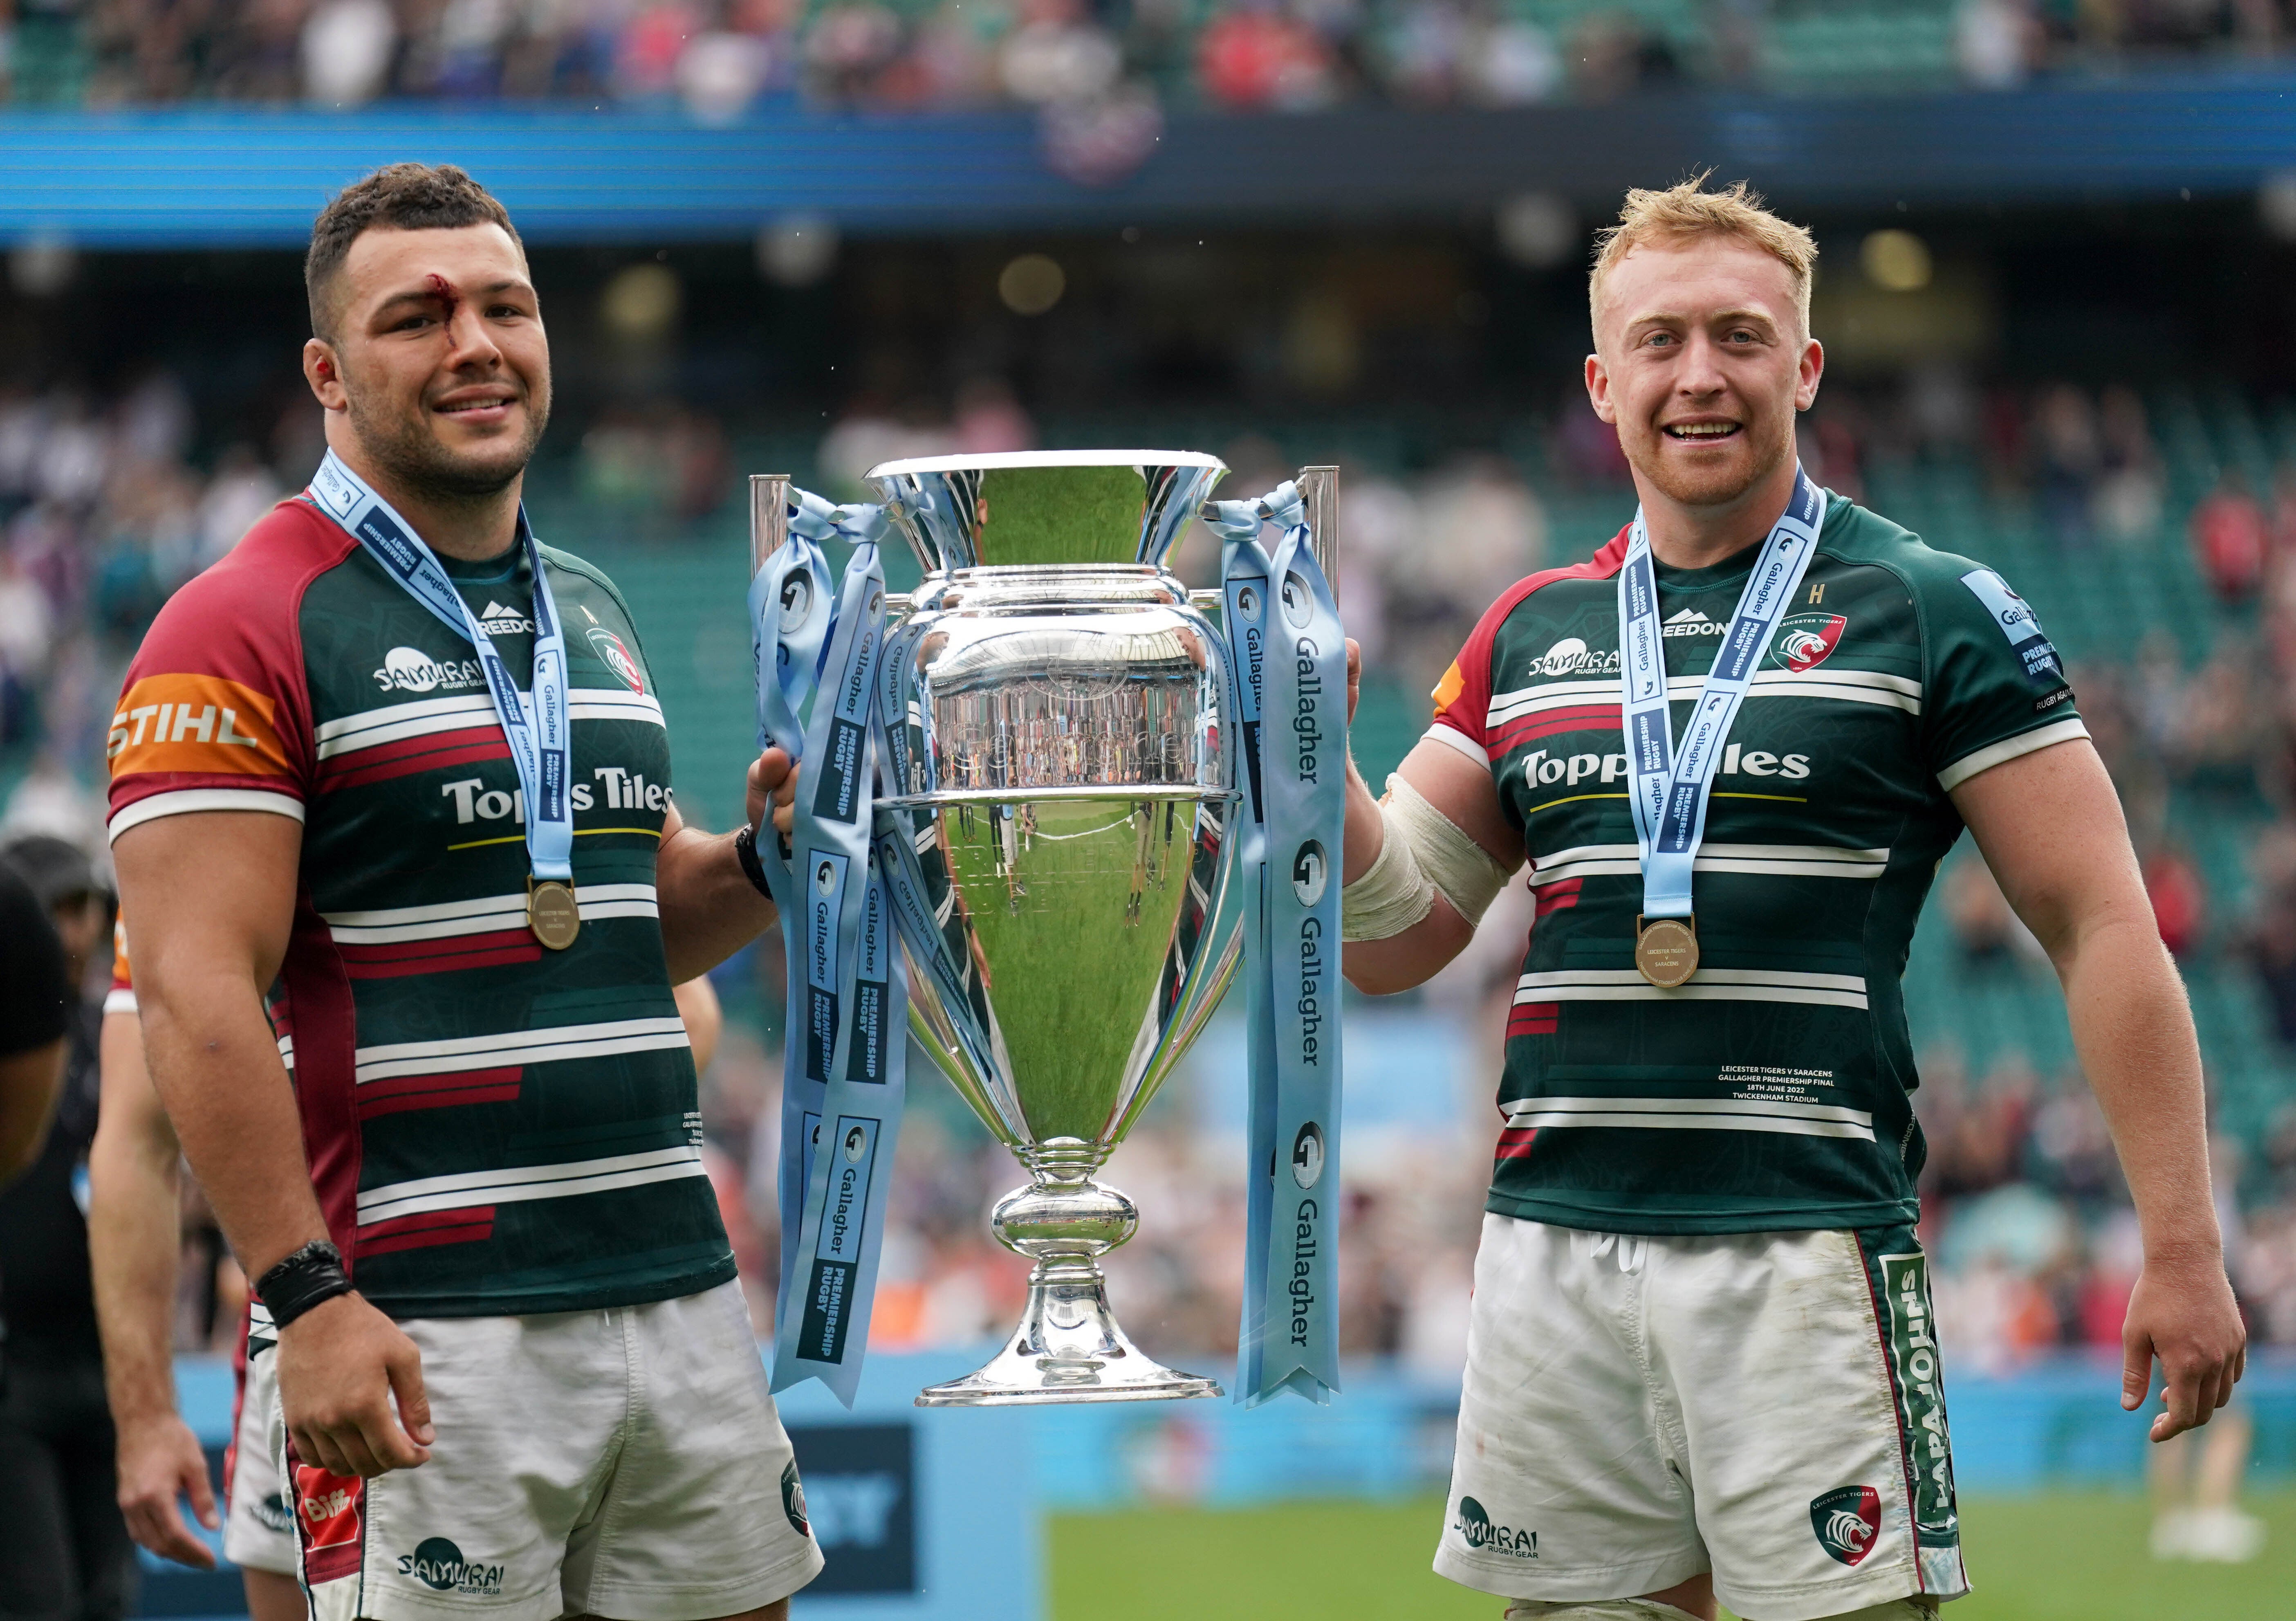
1064, 786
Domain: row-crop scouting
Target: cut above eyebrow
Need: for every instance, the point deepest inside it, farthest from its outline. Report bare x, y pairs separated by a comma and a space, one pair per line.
427, 294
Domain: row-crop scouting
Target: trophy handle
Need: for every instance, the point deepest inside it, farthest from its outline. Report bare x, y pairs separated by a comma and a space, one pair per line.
1319, 492
768, 516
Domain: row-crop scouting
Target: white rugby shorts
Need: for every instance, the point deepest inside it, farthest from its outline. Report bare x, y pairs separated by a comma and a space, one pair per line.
1766, 1406
258, 1524
625, 1462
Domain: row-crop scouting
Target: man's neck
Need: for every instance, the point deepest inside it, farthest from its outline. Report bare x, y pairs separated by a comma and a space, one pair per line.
1685, 537
469, 529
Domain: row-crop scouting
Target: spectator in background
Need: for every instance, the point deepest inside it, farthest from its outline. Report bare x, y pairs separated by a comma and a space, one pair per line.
2230, 540
1586, 451
2129, 487
2179, 898
240, 492
2195, 1480
27, 627
1480, 530
2067, 457
990, 420
1255, 56
1991, 935
35, 1013
64, 1552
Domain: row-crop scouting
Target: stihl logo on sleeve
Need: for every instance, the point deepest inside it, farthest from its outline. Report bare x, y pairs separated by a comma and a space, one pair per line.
195, 724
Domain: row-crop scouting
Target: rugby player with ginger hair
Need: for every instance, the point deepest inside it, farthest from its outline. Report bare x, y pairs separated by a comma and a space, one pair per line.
1701, 1359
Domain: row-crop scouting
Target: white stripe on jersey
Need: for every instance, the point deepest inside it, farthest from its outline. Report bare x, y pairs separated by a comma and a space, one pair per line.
183, 802
1695, 1113
1451, 737
489, 914
518, 1184
510, 1047
2009, 748
1849, 685
120, 999
399, 721
1709, 986
1789, 860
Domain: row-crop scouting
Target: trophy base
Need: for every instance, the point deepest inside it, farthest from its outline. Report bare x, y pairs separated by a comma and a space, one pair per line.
1068, 1348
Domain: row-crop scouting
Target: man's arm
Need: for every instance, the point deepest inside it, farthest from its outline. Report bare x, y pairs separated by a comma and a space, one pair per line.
209, 899
710, 909
2050, 827
133, 1240
1465, 793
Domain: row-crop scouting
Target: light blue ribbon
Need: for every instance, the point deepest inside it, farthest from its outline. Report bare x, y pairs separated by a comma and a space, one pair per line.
1289, 658
1671, 786
845, 1047
540, 739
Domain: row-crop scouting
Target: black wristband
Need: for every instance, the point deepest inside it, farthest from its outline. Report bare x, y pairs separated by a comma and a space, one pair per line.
309, 1277
745, 851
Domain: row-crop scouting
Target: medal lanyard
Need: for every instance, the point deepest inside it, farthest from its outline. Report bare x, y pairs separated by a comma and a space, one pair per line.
1670, 786
540, 740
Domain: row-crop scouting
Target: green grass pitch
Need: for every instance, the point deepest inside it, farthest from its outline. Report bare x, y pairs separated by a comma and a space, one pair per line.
2061, 1557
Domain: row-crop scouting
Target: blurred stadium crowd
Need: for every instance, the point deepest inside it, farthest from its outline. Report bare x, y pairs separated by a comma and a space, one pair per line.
2156, 533
720, 56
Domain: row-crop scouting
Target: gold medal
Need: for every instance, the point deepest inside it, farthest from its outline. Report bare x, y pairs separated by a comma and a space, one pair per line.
1666, 949
552, 913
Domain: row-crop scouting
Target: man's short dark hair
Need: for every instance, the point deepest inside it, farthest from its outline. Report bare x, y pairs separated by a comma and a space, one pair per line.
398, 197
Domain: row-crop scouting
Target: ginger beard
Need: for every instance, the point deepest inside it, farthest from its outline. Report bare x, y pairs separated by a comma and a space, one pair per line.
1702, 365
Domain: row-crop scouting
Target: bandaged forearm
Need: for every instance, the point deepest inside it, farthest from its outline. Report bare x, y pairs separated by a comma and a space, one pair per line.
1422, 854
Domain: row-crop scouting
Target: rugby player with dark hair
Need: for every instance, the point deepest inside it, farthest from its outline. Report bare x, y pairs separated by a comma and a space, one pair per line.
398, 769
1735, 745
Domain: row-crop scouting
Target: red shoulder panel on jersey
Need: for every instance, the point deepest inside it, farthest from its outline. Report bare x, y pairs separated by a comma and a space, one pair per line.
216, 708
1462, 698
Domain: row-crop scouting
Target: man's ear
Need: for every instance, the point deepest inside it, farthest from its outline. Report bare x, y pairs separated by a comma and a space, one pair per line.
1813, 368
324, 373
1598, 390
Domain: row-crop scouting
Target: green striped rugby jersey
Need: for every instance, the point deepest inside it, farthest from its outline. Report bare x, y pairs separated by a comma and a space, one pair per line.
493, 1128
1773, 1092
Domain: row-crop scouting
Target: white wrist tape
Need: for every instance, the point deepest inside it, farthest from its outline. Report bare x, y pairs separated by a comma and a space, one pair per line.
1425, 853
1391, 896
1454, 863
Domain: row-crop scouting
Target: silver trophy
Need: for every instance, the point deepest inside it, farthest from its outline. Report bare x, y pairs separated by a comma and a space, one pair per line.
1068, 780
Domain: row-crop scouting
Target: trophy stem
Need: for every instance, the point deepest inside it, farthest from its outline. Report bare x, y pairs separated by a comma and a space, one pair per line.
1067, 1346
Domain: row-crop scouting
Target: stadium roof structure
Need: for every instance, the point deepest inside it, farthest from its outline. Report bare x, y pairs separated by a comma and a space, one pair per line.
214, 175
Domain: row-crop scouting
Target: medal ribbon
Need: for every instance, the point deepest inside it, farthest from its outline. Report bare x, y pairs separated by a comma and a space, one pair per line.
845, 1047
1289, 652
540, 739
1669, 786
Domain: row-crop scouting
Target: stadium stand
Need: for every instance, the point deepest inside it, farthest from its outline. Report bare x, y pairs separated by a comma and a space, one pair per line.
720, 58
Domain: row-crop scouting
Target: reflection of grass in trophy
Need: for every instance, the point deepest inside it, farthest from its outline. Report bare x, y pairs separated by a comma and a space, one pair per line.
1062, 514
1070, 974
